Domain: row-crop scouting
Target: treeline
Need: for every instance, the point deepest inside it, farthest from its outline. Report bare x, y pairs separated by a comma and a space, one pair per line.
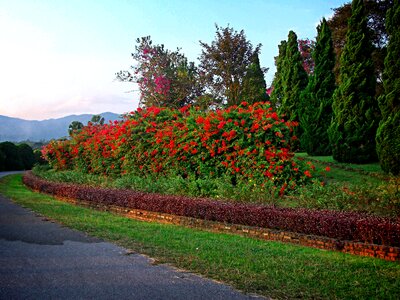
343, 89
18, 157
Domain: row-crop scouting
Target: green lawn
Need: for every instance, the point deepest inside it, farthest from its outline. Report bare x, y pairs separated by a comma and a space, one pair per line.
273, 269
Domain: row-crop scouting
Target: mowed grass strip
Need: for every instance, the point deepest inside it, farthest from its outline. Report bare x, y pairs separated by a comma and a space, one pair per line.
273, 269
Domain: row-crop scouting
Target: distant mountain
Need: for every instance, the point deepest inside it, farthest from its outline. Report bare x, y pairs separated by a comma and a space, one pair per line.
17, 130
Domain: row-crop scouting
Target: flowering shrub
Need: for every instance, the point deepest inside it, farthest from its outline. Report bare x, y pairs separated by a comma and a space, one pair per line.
246, 142
351, 226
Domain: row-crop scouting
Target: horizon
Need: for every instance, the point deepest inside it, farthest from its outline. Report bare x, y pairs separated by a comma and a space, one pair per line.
60, 58
64, 116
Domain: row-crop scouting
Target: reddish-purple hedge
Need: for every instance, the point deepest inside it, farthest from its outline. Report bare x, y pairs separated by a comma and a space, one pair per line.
351, 226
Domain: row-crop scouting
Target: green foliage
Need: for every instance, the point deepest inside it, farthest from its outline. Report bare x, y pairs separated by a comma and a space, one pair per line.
165, 78
376, 12
294, 79
355, 110
97, 120
27, 156
316, 99
388, 134
291, 79
2, 160
38, 157
12, 158
278, 82
224, 64
74, 127
254, 86
243, 142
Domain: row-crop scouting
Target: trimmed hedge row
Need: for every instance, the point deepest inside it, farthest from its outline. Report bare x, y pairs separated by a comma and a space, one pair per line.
333, 224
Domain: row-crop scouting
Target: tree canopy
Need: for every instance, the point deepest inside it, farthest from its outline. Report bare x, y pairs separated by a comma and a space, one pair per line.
224, 63
316, 99
165, 77
355, 111
388, 134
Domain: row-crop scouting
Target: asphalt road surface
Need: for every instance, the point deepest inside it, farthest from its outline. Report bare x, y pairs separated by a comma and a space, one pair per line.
40, 259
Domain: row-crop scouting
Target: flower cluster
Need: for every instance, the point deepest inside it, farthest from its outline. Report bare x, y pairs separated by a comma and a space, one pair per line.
245, 142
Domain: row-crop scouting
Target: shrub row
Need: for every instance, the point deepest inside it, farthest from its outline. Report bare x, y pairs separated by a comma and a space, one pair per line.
333, 224
245, 142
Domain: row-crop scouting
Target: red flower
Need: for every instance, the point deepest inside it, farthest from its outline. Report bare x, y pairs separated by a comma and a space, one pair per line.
327, 169
307, 173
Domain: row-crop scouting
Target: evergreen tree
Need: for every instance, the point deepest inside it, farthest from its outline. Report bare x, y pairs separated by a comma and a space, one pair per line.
355, 110
388, 134
294, 80
316, 99
254, 87
278, 82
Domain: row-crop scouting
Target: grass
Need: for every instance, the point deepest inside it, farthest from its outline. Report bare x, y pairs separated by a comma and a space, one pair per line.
272, 269
371, 167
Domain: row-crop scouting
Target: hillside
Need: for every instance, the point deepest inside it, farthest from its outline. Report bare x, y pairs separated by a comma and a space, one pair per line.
16, 130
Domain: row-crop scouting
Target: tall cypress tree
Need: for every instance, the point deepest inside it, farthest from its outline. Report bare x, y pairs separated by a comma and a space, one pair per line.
294, 82
355, 110
278, 82
294, 79
316, 99
254, 87
388, 134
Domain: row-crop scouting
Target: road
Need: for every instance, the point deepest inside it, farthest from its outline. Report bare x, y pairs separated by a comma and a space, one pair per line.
40, 259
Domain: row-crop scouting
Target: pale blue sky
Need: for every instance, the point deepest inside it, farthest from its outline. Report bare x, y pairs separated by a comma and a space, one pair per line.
60, 57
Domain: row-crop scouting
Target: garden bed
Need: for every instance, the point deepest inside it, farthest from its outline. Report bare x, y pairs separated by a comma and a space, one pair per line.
352, 232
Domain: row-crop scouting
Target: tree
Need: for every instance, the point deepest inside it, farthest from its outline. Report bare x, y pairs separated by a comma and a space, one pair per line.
75, 126
254, 86
97, 120
12, 161
27, 157
388, 134
39, 158
224, 63
316, 99
278, 81
376, 12
165, 77
306, 48
294, 81
2, 161
355, 111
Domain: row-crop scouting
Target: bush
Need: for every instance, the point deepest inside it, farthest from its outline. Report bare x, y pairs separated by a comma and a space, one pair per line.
246, 142
333, 224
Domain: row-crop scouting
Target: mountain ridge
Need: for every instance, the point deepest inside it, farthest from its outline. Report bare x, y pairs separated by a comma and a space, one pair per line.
18, 129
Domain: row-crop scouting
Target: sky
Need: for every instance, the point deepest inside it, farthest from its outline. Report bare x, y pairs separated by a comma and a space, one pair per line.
60, 57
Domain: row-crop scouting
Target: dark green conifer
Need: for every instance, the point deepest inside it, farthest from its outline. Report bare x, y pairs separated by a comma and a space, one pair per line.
316, 99
254, 87
355, 110
388, 134
294, 80
278, 82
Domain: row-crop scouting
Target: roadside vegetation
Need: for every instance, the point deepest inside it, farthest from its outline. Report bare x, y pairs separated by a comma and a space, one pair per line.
272, 269
362, 188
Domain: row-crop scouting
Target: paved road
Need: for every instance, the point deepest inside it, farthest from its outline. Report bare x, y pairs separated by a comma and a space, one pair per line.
43, 260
